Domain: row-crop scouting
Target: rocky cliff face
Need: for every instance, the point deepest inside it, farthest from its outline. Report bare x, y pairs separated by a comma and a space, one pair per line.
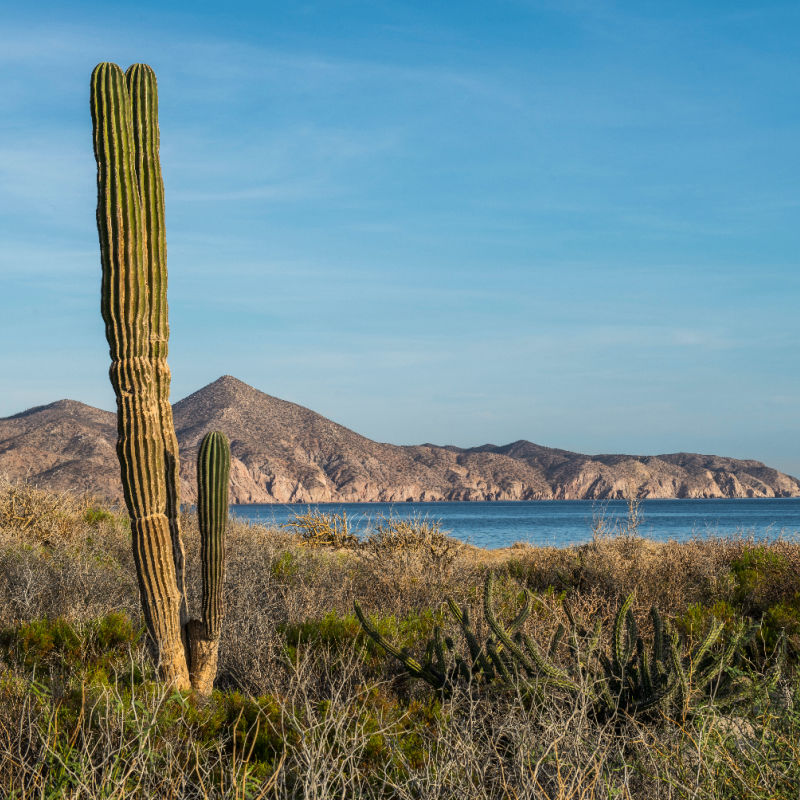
285, 453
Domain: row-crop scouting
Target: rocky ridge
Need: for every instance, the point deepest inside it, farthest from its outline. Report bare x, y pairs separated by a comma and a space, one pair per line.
285, 453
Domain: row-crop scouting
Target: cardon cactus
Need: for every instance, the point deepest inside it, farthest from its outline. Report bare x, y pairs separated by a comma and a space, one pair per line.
130, 222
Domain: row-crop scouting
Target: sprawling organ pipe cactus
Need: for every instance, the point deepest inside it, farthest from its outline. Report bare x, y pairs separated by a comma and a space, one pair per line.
629, 678
130, 222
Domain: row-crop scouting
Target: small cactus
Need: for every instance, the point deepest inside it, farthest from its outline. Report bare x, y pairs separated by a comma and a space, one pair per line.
213, 468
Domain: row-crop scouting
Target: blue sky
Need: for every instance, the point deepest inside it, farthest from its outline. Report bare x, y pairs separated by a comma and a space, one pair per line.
570, 222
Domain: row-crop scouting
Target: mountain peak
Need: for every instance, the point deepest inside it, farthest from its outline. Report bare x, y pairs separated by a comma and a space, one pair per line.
225, 391
64, 407
230, 385
231, 382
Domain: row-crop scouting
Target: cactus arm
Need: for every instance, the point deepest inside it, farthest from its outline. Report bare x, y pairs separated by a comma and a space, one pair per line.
213, 471
499, 664
568, 611
658, 635
505, 639
456, 611
534, 664
646, 674
619, 649
125, 309
428, 674
427, 659
679, 672
461, 670
438, 649
498, 630
523, 615
695, 659
556, 676
574, 650
718, 665
480, 665
632, 634
594, 642
143, 95
655, 698
556, 640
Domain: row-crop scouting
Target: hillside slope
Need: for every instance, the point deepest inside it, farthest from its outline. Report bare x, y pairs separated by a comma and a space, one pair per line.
283, 452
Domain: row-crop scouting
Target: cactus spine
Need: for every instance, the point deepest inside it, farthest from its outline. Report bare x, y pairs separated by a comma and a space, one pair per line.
130, 223
213, 468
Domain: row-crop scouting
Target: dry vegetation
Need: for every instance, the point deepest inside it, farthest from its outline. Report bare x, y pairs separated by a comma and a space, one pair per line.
308, 706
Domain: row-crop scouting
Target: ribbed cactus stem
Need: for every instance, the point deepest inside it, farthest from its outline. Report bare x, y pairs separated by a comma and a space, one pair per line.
213, 469
126, 310
143, 95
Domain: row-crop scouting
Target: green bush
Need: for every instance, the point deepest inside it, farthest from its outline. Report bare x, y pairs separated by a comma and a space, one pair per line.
284, 567
95, 516
761, 575
696, 620
345, 632
41, 642
767, 590
58, 643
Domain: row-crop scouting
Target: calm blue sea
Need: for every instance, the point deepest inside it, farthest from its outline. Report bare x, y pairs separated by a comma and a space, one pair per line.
564, 522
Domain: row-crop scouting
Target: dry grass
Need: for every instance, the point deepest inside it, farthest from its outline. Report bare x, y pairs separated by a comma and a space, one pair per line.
318, 713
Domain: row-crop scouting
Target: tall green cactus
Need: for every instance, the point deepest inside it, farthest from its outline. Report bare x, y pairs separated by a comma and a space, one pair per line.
126, 308
130, 222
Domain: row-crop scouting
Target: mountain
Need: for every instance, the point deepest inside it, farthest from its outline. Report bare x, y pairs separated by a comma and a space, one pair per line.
282, 452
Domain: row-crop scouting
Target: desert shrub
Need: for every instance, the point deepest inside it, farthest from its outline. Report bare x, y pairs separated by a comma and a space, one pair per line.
780, 627
58, 643
95, 516
285, 566
322, 529
763, 576
39, 514
41, 642
345, 632
394, 546
765, 586
695, 620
